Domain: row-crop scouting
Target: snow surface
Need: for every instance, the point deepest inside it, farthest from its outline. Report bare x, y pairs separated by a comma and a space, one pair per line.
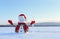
34, 33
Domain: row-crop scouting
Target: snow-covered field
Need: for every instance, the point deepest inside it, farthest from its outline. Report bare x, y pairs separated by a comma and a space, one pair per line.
34, 33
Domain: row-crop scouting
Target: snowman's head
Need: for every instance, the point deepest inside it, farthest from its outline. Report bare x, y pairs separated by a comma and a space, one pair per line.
22, 17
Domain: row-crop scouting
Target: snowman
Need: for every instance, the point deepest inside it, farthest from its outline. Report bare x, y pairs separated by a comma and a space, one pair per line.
21, 27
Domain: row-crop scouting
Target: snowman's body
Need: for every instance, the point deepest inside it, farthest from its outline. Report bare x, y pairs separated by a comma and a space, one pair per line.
21, 30
22, 19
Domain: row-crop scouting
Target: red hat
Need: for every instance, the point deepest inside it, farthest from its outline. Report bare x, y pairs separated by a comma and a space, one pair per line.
23, 15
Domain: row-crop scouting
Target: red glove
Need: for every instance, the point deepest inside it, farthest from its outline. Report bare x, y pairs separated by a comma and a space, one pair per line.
10, 21
32, 22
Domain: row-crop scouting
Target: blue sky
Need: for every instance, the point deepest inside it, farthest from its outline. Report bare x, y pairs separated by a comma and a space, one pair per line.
39, 10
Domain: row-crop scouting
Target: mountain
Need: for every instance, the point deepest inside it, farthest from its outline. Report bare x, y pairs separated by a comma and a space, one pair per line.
37, 24
48, 24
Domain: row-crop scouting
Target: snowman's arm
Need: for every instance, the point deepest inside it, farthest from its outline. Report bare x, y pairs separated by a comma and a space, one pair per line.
32, 22
10, 21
